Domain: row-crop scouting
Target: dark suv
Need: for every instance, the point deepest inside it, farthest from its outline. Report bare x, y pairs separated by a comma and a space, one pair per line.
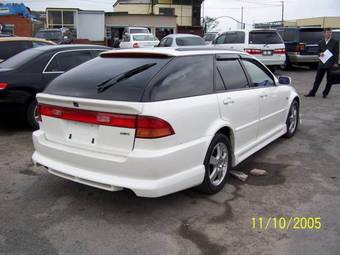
301, 45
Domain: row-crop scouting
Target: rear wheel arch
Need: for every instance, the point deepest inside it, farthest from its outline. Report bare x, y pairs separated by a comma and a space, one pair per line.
229, 133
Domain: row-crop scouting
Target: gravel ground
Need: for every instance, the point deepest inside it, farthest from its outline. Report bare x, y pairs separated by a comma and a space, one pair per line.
43, 214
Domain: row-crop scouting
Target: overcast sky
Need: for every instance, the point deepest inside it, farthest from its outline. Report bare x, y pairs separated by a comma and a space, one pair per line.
254, 10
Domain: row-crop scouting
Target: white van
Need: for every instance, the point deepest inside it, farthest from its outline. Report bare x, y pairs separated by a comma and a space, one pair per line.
266, 45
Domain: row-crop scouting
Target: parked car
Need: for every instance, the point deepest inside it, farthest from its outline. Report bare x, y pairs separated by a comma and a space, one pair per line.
57, 35
10, 46
265, 44
27, 73
210, 37
181, 40
302, 45
336, 35
158, 121
138, 41
136, 30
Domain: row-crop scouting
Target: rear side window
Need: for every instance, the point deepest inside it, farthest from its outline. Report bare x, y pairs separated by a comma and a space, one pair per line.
311, 36
189, 41
258, 75
65, 61
82, 81
184, 77
264, 37
232, 74
234, 37
9, 49
221, 39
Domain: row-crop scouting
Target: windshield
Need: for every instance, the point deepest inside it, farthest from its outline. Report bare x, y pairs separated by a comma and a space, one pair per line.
139, 38
209, 37
189, 41
20, 58
49, 35
139, 31
264, 37
311, 36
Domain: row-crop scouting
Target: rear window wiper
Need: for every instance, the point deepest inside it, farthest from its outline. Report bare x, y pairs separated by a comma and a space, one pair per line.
121, 77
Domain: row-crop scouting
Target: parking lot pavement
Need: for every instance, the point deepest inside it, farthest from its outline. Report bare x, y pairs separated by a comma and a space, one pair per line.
43, 214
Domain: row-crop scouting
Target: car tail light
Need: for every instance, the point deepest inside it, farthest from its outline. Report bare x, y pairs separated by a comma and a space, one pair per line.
280, 51
146, 127
92, 117
135, 45
300, 47
253, 51
151, 127
3, 85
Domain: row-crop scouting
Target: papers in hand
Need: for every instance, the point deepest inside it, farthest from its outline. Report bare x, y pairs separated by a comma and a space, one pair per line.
326, 56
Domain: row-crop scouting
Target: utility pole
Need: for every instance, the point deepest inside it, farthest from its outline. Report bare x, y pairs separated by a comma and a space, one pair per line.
242, 26
283, 13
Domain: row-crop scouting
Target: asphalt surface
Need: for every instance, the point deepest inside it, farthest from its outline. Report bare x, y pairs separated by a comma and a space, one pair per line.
43, 214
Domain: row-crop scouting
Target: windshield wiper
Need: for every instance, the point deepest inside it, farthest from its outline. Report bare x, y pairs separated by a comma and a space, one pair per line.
121, 77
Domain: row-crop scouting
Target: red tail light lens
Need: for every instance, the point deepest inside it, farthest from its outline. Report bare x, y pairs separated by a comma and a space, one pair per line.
3, 85
135, 45
99, 118
280, 51
146, 127
151, 127
300, 47
253, 51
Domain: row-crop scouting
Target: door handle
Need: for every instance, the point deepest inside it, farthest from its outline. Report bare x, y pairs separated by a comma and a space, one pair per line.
228, 101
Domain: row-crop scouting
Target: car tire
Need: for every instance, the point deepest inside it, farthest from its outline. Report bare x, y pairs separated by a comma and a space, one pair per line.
217, 165
31, 115
293, 119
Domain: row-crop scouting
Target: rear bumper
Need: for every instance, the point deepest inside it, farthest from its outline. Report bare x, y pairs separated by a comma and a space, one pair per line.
297, 58
275, 60
146, 173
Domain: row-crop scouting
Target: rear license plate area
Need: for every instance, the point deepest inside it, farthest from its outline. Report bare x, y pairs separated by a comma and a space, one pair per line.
82, 133
267, 52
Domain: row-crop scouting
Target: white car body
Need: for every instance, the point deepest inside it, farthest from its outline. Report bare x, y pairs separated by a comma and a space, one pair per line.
240, 40
253, 117
138, 41
171, 41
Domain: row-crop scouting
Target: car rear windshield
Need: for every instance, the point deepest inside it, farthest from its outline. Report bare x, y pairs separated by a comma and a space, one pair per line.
103, 78
311, 36
264, 37
189, 41
49, 35
139, 38
139, 30
20, 59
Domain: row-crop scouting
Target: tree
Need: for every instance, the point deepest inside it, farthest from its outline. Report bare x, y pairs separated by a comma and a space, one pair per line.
209, 23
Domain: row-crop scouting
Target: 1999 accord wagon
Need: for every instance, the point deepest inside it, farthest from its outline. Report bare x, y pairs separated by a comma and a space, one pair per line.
159, 121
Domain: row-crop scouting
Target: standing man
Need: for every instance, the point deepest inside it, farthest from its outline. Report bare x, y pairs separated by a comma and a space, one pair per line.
333, 46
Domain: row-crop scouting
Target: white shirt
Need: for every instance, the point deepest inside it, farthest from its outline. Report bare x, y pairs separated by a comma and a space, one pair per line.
327, 41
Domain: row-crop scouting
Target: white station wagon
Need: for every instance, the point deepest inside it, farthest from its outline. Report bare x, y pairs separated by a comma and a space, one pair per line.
157, 121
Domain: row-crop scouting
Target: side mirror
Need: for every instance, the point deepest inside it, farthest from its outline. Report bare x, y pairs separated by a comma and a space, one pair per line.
285, 80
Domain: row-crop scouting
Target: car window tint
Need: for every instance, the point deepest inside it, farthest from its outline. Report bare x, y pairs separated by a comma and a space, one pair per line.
264, 37
311, 36
189, 41
65, 61
20, 59
38, 44
232, 74
184, 77
82, 81
219, 84
9, 49
235, 37
162, 42
168, 42
220, 39
258, 76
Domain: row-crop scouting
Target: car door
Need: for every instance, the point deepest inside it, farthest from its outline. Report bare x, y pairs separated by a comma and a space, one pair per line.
239, 104
235, 40
61, 62
272, 98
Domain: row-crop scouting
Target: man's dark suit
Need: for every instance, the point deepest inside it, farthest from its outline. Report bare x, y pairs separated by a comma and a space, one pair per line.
332, 46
